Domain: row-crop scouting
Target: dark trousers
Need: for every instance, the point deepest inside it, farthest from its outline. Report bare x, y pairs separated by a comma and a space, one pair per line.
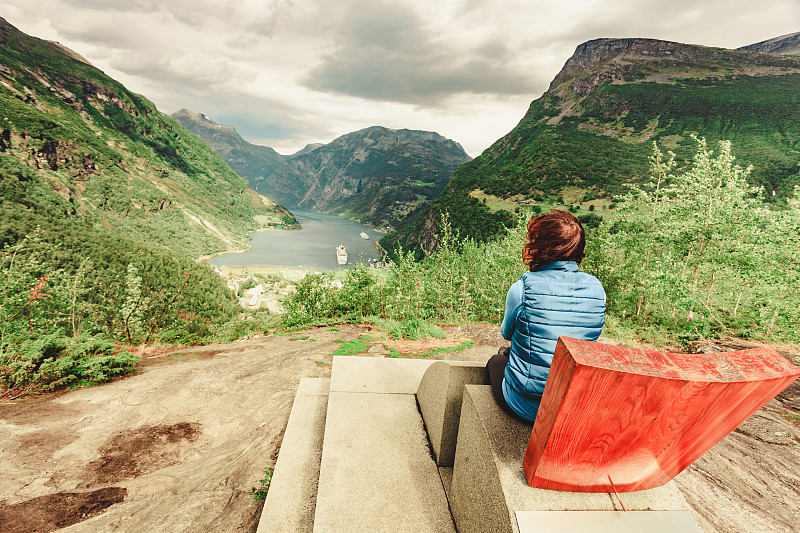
495, 368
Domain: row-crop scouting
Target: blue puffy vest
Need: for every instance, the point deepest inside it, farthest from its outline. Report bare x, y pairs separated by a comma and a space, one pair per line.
559, 300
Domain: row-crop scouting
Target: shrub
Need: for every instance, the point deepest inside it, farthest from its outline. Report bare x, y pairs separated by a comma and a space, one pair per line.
45, 363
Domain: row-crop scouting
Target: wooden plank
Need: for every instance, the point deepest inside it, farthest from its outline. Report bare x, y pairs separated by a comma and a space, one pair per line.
625, 419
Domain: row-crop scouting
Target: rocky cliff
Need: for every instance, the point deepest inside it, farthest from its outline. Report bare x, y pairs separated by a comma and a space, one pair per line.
249, 160
627, 60
377, 175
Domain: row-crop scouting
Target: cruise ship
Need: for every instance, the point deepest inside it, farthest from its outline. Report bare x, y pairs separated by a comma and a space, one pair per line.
341, 255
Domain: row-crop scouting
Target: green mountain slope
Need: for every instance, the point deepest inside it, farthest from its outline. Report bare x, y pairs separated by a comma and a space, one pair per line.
75, 144
249, 160
377, 176
592, 131
104, 205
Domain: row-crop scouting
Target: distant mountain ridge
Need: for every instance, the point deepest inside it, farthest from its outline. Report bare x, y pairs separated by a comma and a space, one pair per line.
377, 176
592, 131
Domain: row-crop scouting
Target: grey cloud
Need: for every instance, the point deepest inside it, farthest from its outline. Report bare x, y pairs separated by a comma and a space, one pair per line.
708, 23
98, 4
233, 15
106, 36
385, 54
263, 124
181, 73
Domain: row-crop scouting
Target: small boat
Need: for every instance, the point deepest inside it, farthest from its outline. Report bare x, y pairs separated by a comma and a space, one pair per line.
364, 235
341, 255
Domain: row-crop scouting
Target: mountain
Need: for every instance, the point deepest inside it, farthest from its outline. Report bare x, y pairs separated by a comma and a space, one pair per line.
105, 204
786, 45
592, 131
308, 148
78, 147
377, 176
250, 161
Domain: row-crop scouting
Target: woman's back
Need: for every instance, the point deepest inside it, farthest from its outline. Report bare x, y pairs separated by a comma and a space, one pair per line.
554, 300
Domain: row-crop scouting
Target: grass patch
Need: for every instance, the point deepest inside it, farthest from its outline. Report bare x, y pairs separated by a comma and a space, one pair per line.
793, 418
448, 349
353, 347
435, 351
494, 203
260, 493
411, 329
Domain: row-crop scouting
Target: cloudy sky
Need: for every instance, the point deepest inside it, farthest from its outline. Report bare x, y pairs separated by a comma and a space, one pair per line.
286, 73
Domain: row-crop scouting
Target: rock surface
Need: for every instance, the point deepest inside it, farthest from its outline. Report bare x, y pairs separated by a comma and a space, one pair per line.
179, 446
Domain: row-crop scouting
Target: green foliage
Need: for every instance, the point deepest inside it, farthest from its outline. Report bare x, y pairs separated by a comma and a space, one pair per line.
462, 281
448, 349
590, 220
260, 493
700, 254
320, 298
353, 346
63, 283
471, 219
235, 327
412, 329
758, 114
41, 363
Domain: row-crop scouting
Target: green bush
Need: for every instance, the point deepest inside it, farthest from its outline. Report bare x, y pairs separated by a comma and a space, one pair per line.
700, 254
462, 281
48, 362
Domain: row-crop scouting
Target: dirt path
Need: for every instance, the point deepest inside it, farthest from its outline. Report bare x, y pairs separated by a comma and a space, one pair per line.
177, 447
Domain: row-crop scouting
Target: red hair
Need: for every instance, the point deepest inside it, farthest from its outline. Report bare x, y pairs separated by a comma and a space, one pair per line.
554, 236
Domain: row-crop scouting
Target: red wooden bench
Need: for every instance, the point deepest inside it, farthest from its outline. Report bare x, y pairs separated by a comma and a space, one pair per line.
616, 419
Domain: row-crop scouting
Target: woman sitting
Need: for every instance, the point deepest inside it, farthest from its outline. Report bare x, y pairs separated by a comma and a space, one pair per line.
554, 299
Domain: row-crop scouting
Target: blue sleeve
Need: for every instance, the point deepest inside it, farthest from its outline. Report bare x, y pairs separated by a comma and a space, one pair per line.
513, 305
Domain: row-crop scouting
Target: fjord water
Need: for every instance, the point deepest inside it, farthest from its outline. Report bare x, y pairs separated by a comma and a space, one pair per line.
314, 246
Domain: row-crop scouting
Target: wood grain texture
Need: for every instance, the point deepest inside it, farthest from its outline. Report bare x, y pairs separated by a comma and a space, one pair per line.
639, 417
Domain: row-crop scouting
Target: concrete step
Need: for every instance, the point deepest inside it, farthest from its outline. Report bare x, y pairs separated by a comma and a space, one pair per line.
291, 500
489, 492
374, 469
377, 472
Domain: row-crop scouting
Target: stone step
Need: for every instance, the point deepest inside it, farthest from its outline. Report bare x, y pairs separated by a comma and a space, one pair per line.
489, 491
291, 500
374, 468
377, 472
